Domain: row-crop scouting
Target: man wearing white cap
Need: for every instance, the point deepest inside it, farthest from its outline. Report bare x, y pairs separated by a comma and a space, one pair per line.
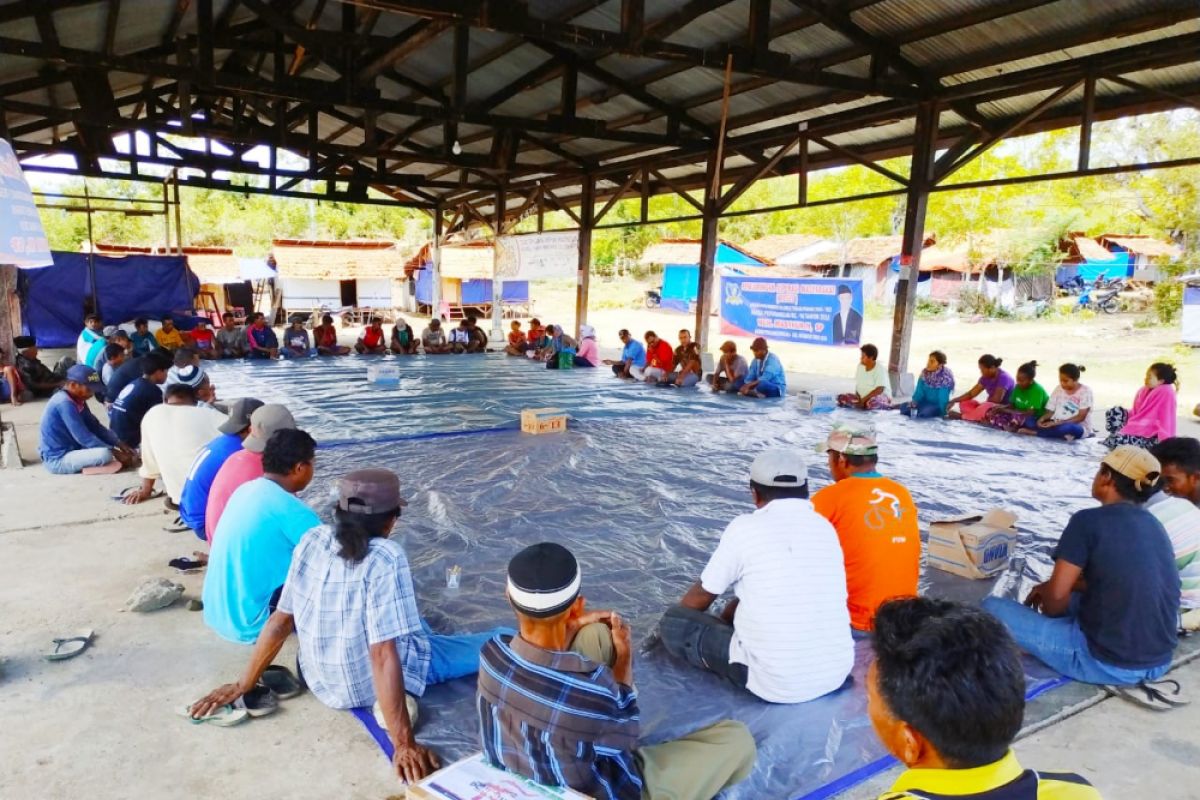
785, 635
246, 464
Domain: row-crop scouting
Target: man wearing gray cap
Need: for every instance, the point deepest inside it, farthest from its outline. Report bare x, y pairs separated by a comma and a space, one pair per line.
193, 500
349, 597
785, 635
246, 464
72, 439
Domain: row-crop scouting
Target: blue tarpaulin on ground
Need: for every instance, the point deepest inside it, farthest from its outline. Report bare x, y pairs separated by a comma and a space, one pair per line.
52, 299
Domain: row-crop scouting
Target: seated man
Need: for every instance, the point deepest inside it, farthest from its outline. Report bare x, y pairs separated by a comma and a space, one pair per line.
185, 358
372, 341
785, 635
731, 371
660, 358
1108, 613
36, 377
71, 438
193, 498
557, 705
204, 341
404, 341
230, 339
143, 340
433, 339
172, 434
876, 523
678, 357
946, 696
114, 357
1180, 460
478, 338
516, 340
460, 338
1181, 520
252, 549
870, 383
633, 358
766, 377
296, 343
91, 340
349, 597
168, 336
130, 406
325, 337
261, 341
246, 464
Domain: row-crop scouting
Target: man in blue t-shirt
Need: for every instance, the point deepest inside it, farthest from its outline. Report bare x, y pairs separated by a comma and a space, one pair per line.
633, 358
193, 498
253, 543
1120, 628
143, 394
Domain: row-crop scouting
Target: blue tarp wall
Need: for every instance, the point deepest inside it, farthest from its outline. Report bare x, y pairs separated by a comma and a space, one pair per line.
681, 282
1121, 266
474, 292
126, 287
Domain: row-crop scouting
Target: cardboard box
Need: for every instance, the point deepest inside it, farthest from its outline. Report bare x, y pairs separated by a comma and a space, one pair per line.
543, 420
474, 779
386, 374
975, 547
816, 402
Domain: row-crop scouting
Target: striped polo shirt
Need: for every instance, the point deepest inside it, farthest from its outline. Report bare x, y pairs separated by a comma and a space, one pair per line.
1002, 780
1182, 522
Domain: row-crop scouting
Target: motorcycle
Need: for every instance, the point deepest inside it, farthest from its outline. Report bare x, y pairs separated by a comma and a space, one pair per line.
653, 298
1103, 296
1073, 286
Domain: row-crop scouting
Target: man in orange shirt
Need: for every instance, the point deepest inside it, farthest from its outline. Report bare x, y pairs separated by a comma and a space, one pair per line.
660, 358
876, 522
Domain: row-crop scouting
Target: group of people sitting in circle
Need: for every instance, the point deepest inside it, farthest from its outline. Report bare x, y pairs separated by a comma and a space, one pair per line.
1020, 404
556, 701
657, 363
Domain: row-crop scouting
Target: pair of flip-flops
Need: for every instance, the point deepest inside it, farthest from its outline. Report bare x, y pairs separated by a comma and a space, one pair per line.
69, 646
277, 683
1163, 695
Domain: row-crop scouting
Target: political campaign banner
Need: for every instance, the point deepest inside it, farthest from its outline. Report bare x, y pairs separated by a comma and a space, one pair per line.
22, 240
534, 256
826, 311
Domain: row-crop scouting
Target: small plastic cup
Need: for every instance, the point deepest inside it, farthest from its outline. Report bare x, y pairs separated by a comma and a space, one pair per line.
453, 576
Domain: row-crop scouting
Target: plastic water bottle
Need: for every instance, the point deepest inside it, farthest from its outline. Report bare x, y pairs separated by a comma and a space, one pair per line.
912, 410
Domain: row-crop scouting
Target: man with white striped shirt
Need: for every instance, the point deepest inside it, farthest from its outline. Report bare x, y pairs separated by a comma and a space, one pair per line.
785, 635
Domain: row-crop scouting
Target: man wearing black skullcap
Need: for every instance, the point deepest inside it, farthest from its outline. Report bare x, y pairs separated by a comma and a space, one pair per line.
36, 376
557, 705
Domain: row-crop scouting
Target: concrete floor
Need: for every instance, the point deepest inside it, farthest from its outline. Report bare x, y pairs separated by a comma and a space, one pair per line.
104, 725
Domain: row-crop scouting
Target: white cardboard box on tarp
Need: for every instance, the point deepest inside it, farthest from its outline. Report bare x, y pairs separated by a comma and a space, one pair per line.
974, 547
474, 779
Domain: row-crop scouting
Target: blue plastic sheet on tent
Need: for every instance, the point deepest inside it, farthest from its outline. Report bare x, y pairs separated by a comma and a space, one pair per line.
640, 488
476, 292
126, 287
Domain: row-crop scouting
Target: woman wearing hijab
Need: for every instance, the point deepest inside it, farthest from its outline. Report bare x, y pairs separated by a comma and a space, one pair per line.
934, 386
588, 354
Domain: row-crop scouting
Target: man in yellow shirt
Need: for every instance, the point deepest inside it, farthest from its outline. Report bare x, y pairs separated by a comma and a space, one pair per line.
168, 336
946, 696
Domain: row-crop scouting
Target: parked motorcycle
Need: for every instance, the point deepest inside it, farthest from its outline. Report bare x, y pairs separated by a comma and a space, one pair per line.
1103, 297
653, 298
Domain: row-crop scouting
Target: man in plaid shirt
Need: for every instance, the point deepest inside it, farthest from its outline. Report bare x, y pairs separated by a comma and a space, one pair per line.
557, 705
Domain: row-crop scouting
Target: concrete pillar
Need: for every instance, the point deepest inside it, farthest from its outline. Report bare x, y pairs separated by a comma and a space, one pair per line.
497, 334
587, 221
435, 264
924, 148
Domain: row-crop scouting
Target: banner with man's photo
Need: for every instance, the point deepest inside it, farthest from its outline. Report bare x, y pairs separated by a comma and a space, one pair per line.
826, 311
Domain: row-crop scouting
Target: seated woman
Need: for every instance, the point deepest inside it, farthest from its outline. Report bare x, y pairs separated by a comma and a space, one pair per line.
326, 339
870, 383
690, 371
1027, 401
995, 384
1152, 418
1068, 414
404, 341
296, 343
560, 344
932, 395
588, 354
516, 340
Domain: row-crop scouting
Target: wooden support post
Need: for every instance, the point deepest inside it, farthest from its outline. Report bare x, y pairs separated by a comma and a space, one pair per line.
435, 264
1085, 125
709, 232
587, 220
497, 333
802, 174
919, 184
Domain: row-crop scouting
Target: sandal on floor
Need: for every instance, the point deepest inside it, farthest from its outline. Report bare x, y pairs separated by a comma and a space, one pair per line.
258, 702
187, 565
176, 525
281, 681
1162, 695
120, 498
70, 646
223, 717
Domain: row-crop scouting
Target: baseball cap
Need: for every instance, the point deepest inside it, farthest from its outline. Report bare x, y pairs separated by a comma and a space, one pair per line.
239, 415
784, 468
850, 440
1134, 463
758, 344
370, 491
82, 373
263, 422
24, 342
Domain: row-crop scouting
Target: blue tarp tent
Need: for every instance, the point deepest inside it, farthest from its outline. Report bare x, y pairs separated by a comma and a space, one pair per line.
472, 292
681, 282
52, 298
1121, 266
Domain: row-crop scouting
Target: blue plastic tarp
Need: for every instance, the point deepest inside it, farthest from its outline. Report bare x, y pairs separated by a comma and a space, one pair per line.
127, 287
